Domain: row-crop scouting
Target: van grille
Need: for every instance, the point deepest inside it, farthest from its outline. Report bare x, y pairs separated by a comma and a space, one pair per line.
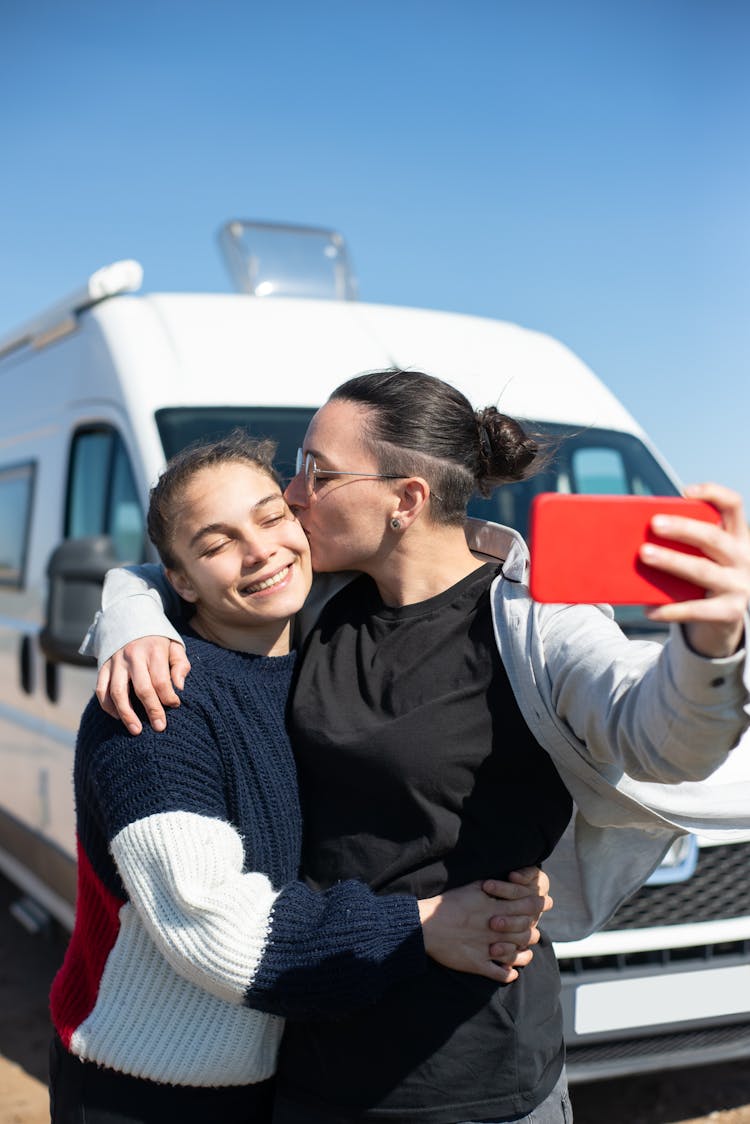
689, 1047
691, 959
719, 889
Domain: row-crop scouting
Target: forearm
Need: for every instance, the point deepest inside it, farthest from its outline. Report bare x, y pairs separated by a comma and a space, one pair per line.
334, 952
658, 714
296, 952
136, 601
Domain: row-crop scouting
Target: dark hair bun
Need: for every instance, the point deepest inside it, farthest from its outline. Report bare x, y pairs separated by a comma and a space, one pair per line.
506, 451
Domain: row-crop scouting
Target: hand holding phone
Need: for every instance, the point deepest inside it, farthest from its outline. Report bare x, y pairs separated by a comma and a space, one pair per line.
584, 549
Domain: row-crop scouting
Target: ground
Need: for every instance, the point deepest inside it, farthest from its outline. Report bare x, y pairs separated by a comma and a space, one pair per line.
715, 1094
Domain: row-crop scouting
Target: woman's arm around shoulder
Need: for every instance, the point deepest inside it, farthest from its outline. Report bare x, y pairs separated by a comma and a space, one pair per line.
135, 642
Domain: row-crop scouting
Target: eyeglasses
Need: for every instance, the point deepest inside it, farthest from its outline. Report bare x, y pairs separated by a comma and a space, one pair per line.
307, 466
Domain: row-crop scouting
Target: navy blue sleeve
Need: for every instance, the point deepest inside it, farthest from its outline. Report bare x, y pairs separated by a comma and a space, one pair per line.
334, 951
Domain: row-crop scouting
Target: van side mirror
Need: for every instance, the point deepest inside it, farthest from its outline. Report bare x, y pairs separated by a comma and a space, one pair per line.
76, 572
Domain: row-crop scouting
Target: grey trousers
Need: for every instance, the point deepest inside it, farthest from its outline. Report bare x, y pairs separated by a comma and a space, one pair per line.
554, 1109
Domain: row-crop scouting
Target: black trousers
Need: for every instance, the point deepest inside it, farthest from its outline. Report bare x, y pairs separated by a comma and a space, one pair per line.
85, 1093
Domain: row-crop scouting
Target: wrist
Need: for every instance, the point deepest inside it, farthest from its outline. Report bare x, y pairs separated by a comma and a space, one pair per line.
712, 641
427, 908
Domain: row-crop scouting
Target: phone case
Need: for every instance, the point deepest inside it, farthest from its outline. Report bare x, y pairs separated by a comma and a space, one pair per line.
584, 549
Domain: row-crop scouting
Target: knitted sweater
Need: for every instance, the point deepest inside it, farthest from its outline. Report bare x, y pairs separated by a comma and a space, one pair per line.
192, 936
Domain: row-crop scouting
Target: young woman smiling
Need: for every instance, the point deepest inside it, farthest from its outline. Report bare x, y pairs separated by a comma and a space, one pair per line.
192, 933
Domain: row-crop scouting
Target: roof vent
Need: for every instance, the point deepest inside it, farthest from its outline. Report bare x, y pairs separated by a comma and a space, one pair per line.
270, 259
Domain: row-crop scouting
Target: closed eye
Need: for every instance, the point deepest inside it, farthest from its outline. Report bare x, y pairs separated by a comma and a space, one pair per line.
214, 549
274, 515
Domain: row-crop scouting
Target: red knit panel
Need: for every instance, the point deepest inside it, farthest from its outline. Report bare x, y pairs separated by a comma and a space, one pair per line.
76, 985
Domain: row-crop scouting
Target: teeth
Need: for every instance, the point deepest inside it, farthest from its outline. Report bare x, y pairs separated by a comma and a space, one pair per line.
269, 581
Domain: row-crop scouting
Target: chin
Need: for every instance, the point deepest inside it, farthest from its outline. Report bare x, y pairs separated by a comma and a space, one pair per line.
326, 566
327, 561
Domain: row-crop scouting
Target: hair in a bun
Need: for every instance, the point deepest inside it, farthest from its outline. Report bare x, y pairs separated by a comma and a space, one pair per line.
418, 425
506, 451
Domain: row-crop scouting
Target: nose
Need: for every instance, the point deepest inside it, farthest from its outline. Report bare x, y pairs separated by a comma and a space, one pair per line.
295, 493
255, 552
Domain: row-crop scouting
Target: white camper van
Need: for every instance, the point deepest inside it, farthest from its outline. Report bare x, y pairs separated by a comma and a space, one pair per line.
100, 389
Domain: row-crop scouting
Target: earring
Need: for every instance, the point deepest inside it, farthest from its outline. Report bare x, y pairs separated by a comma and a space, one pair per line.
396, 524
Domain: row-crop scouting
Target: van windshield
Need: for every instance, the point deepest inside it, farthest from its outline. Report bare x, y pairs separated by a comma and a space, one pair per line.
183, 425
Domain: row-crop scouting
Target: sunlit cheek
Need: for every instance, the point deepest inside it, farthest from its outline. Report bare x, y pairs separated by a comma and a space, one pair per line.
219, 570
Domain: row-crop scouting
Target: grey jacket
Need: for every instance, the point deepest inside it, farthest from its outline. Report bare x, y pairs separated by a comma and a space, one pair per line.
640, 733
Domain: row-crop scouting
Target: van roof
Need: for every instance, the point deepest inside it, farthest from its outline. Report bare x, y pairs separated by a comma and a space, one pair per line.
237, 349
60, 318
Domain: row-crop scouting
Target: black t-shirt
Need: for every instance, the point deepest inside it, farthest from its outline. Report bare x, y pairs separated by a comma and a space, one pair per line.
418, 773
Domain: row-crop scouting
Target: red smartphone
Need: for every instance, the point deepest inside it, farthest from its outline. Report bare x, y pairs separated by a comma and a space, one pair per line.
584, 549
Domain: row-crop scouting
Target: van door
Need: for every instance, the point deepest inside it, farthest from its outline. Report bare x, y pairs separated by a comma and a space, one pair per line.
86, 488
101, 498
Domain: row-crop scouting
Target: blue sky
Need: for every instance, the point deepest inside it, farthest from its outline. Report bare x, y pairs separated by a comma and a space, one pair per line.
582, 168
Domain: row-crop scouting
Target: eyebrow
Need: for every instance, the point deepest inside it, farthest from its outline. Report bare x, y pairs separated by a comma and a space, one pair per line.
213, 528
317, 455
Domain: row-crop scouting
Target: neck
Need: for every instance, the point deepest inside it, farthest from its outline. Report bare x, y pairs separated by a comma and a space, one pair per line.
272, 639
423, 564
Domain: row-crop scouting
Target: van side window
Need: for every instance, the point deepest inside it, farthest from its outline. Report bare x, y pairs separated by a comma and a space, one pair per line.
16, 493
102, 495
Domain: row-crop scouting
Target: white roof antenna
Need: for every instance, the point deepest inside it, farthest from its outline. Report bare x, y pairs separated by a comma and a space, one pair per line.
60, 318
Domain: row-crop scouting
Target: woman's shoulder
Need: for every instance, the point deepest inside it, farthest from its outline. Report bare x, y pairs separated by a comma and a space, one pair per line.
105, 749
100, 735
97, 727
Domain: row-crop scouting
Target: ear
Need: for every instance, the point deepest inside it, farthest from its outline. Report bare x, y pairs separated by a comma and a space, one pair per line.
181, 583
412, 496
